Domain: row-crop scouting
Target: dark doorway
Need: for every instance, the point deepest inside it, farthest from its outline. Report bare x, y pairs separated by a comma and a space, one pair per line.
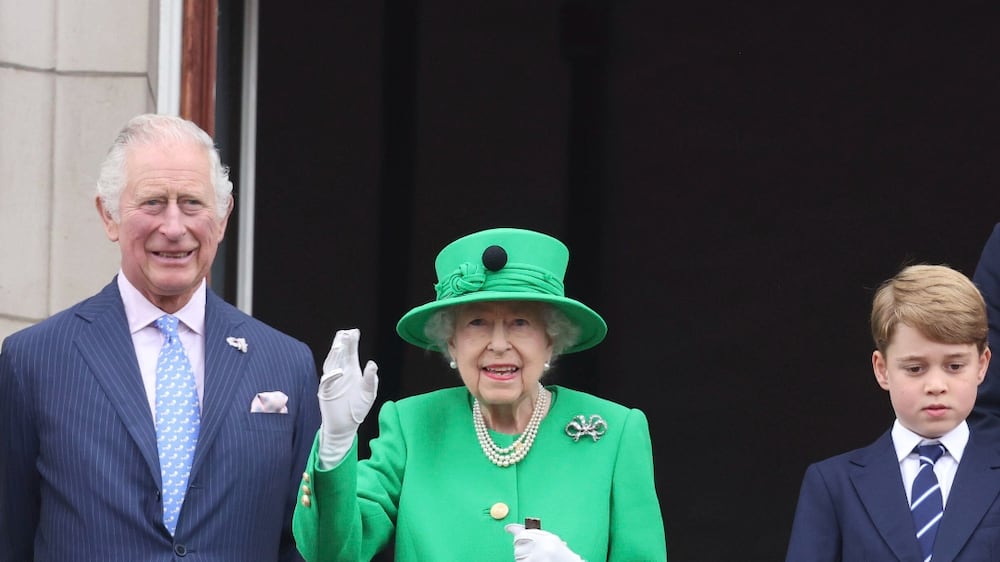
732, 180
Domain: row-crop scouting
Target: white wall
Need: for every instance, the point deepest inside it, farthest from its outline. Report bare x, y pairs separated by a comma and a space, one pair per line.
71, 73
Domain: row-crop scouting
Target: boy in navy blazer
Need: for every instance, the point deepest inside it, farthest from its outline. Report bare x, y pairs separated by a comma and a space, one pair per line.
930, 331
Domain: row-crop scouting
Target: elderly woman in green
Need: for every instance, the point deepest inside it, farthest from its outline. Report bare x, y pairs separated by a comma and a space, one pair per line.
456, 473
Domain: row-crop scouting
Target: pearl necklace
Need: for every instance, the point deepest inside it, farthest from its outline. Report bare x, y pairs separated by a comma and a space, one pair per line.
506, 456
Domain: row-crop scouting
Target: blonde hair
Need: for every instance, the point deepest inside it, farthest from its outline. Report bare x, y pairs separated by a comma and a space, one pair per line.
936, 300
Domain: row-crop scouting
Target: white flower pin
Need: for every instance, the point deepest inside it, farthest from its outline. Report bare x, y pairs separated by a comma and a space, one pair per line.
238, 343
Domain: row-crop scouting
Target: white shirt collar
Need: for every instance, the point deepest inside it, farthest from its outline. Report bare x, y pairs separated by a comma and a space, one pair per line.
905, 440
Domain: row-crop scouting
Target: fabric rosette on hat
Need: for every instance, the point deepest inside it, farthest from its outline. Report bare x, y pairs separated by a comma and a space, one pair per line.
503, 264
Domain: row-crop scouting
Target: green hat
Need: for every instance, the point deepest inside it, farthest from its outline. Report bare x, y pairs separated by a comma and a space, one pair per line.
503, 264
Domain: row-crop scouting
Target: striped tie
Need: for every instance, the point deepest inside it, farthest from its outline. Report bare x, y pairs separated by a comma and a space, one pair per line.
927, 504
177, 419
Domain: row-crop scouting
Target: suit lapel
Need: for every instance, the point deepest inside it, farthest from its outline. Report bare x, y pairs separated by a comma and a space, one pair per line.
875, 475
975, 489
108, 350
224, 369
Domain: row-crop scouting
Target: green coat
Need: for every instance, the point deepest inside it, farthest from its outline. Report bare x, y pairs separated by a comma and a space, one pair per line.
429, 486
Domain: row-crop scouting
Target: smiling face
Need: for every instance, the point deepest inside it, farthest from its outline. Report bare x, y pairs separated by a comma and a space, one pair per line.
501, 349
932, 385
170, 228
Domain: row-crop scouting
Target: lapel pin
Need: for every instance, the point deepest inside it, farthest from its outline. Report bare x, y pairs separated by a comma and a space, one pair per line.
238, 343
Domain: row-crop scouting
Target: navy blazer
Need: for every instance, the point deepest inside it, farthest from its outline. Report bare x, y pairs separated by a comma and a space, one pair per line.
987, 278
79, 470
853, 508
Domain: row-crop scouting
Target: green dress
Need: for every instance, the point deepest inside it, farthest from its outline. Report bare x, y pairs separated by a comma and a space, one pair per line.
429, 486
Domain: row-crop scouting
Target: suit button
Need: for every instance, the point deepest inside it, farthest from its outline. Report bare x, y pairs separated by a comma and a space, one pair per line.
499, 510
306, 502
180, 550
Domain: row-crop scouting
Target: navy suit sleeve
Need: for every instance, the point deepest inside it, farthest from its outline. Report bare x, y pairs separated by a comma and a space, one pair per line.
816, 529
987, 278
19, 480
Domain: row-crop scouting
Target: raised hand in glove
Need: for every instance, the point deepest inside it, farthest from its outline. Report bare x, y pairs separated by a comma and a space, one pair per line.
345, 397
536, 545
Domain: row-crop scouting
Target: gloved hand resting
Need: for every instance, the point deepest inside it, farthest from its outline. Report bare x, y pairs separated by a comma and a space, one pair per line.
536, 545
345, 397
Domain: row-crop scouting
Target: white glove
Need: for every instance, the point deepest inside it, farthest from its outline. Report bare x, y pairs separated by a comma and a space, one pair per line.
536, 545
345, 397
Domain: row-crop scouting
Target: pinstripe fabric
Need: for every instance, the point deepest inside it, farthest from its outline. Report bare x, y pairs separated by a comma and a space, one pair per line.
79, 475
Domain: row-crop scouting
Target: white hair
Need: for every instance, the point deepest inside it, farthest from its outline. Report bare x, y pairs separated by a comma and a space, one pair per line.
150, 129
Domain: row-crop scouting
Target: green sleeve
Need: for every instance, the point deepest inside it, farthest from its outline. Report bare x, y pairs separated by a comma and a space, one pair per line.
352, 507
636, 522
326, 522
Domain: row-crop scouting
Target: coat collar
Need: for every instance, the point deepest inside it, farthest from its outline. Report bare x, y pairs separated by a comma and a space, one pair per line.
108, 350
876, 477
875, 474
225, 366
975, 490
106, 347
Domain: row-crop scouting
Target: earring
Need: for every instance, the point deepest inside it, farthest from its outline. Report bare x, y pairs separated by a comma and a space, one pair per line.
546, 366
452, 364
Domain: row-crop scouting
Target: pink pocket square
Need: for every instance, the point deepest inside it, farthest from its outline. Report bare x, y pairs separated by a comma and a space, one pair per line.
272, 402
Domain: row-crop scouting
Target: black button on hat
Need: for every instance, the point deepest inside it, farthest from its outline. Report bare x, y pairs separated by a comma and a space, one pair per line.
494, 258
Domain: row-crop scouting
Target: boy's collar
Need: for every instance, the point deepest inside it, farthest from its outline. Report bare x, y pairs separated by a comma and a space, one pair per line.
905, 440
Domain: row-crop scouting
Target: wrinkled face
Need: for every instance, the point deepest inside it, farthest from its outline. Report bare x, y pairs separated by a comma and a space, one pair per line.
932, 385
169, 229
501, 349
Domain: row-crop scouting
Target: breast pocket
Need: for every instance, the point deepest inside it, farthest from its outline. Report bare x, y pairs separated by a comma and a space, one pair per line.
991, 520
259, 448
260, 421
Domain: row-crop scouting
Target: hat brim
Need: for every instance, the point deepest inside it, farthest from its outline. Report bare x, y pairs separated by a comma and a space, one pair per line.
592, 327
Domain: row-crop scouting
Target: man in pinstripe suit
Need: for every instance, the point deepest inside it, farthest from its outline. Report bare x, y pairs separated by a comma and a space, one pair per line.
79, 464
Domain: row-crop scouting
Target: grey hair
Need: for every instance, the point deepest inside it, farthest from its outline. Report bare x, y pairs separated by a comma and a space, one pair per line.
440, 328
151, 128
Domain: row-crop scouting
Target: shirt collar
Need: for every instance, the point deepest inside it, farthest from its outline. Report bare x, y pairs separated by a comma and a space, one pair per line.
905, 440
141, 313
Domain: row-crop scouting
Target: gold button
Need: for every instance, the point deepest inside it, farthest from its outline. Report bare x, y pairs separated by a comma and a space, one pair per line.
306, 501
305, 476
499, 510
305, 489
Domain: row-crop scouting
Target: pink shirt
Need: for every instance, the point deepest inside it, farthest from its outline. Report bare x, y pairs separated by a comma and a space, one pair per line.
148, 339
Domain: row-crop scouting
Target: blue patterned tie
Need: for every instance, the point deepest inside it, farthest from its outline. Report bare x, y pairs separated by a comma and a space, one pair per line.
927, 504
177, 419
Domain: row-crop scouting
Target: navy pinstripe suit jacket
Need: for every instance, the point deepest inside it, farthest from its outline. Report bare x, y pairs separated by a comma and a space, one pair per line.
79, 474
